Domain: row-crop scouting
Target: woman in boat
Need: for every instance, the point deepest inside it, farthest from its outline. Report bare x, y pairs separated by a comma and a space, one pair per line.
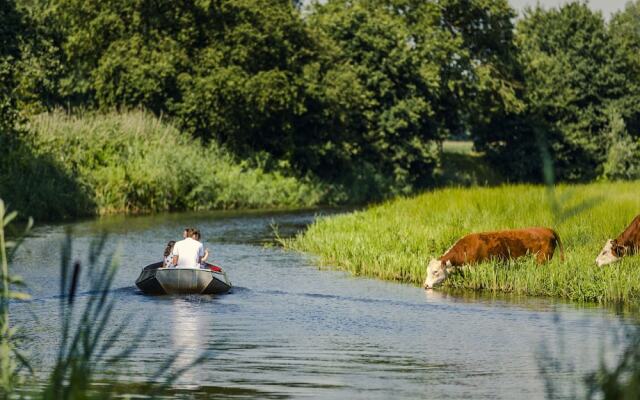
168, 258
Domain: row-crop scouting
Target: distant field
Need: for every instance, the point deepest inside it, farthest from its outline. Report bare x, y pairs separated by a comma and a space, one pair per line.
395, 240
461, 166
457, 146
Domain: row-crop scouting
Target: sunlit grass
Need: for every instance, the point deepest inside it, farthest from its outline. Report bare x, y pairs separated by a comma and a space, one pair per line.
460, 165
458, 146
132, 162
395, 240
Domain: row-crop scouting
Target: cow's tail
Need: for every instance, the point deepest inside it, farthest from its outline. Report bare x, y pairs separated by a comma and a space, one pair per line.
559, 245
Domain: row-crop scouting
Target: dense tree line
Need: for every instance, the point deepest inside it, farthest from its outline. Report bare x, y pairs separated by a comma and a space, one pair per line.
10, 28
579, 80
360, 93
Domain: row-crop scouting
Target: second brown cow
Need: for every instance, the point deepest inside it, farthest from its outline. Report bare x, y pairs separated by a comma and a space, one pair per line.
499, 245
627, 243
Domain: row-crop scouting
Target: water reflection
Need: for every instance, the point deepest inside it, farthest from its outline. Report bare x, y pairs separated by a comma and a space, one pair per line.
629, 311
187, 338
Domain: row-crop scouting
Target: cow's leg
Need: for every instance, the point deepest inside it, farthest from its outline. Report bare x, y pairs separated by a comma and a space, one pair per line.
546, 253
543, 255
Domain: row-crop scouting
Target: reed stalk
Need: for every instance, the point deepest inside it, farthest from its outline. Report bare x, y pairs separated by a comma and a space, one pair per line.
11, 360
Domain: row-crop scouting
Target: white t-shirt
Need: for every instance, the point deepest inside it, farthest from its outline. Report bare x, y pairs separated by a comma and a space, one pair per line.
189, 252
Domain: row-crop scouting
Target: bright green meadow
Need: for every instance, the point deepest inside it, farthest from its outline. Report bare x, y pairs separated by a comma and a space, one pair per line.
395, 240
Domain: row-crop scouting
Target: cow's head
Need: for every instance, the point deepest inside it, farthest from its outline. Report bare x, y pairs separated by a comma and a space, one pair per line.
611, 252
436, 273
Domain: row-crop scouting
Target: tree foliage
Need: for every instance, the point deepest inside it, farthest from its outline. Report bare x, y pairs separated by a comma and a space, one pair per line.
364, 89
11, 27
413, 73
622, 161
624, 30
571, 73
360, 93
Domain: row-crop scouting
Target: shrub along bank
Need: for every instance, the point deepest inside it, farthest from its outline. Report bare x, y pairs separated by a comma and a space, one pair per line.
134, 162
395, 240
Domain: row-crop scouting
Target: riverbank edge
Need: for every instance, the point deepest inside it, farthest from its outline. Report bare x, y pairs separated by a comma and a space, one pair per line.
69, 166
395, 240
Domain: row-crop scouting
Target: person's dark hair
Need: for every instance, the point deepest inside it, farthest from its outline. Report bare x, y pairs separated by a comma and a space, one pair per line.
188, 232
167, 250
195, 234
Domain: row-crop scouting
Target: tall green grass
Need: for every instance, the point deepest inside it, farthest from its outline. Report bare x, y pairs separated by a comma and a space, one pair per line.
395, 240
11, 360
133, 162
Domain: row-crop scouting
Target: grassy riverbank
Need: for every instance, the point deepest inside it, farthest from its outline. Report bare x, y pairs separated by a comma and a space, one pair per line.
395, 240
69, 166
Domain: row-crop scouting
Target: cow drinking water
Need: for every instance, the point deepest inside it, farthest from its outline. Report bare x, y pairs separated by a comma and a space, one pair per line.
627, 243
500, 245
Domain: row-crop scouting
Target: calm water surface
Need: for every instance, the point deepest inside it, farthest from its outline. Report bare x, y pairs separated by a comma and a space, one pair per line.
290, 330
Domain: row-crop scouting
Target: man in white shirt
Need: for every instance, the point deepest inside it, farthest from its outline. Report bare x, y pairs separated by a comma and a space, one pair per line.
188, 253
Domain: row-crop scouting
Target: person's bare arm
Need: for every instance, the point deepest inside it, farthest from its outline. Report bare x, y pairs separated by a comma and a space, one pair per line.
174, 261
206, 255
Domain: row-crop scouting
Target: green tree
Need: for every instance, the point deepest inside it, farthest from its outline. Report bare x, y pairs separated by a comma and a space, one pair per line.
352, 91
41, 65
390, 104
623, 153
227, 70
571, 74
416, 72
115, 53
10, 28
484, 64
624, 30
245, 88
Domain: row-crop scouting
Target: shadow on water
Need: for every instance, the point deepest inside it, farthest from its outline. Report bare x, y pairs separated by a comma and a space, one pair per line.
630, 311
120, 389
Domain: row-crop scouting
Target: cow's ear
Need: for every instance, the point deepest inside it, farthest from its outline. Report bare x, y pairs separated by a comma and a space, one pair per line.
448, 263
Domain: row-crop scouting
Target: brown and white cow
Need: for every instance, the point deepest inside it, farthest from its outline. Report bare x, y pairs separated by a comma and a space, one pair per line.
627, 243
500, 245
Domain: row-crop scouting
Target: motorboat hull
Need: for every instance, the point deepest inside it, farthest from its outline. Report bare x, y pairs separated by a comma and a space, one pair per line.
156, 280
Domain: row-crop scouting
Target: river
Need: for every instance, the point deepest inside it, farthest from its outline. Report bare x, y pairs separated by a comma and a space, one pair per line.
291, 330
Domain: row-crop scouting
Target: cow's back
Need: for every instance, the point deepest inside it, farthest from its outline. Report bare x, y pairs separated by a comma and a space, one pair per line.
631, 236
503, 245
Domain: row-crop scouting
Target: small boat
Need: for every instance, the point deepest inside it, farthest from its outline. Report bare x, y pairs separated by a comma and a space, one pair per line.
156, 280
